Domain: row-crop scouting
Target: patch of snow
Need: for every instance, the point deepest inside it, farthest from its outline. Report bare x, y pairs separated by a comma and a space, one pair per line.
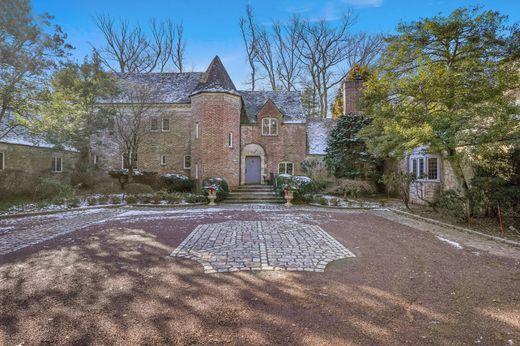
451, 242
318, 132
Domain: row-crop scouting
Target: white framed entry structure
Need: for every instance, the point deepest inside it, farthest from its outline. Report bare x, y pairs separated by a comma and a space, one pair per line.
252, 150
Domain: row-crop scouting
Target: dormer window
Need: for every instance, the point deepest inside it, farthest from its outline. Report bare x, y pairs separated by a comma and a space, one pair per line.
269, 127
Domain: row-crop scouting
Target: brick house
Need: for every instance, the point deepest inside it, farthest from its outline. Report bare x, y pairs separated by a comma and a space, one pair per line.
203, 126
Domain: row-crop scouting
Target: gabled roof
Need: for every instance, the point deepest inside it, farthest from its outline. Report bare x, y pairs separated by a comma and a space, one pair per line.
216, 79
169, 87
288, 102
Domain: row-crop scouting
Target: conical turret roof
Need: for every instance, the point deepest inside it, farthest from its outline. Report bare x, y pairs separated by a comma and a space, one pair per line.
216, 79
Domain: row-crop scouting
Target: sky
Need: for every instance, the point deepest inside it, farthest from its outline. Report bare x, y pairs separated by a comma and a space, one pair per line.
211, 26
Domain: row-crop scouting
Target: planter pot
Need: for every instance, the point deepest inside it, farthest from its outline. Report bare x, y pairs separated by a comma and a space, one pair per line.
212, 196
288, 198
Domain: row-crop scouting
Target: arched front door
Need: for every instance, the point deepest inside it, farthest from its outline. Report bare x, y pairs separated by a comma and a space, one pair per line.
253, 170
252, 165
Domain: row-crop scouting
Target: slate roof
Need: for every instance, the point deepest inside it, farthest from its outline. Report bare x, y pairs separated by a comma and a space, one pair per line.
169, 87
21, 136
178, 87
318, 133
288, 102
216, 79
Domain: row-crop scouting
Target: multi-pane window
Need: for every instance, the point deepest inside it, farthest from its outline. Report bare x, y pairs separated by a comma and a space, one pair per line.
230, 140
166, 124
187, 162
124, 160
286, 168
433, 168
56, 164
154, 124
2, 161
163, 160
425, 168
269, 127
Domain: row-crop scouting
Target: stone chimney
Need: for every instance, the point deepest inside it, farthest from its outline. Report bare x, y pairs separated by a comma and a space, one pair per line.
351, 92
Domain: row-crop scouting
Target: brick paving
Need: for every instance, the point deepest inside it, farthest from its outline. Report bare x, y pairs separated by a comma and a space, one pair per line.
46, 227
261, 245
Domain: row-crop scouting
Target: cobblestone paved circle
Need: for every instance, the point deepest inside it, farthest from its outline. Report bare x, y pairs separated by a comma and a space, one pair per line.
261, 245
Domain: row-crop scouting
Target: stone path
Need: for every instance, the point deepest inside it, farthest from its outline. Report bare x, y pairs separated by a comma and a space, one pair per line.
261, 245
13, 238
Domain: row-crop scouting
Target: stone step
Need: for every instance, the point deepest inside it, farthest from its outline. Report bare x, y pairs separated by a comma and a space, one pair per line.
252, 193
254, 187
253, 201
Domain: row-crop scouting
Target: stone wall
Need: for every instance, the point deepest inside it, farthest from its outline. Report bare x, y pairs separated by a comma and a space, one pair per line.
288, 146
217, 115
174, 144
24, 164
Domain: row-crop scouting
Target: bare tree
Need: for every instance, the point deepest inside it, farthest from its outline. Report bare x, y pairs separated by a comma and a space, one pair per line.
249, 36
180, 47
132, 111
266, 57
365, 49
324, 51
130, 50
286, 40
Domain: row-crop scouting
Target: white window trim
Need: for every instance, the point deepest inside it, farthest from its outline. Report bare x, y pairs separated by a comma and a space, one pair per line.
425, 166
162, 125
230, 140
196, 130
197, 170
157, 129
95, 160
270, 121
184, 162
285, 164
54, 163
123, 161
3, 160
162, 160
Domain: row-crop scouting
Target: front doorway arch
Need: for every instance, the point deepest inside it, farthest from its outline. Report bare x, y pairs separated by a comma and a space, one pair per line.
251, 154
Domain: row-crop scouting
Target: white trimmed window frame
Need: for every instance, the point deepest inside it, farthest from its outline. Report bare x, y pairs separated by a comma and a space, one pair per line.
55, 168
184, 162
131, 161
162, 125
2, 160
197, 170
156, 120
230, 140
269, 122
284, 164
419, 166
197, 129
162, 160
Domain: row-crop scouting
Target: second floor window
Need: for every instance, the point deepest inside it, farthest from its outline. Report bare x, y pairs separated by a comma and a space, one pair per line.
196, 130
230, 140
166, 124
2, 163
163, 160
154, 124
269, 127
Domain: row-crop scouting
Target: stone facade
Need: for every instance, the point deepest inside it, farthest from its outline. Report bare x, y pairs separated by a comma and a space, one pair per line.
34, 160
215, 126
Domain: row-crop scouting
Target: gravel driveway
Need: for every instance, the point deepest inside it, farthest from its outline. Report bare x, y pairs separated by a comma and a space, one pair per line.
111, 280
